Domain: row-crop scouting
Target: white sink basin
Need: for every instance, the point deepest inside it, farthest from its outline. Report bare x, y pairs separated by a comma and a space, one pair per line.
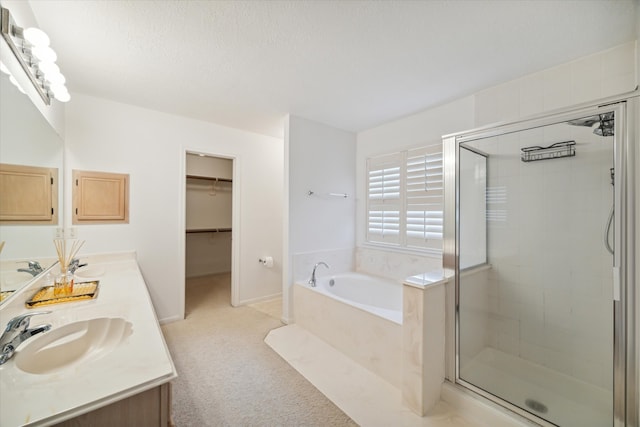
89, 273
71, 344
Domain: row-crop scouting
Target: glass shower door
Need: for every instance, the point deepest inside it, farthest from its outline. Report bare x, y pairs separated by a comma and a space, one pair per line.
535, 300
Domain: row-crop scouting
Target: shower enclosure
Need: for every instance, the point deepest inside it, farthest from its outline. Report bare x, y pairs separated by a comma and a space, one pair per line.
537, 235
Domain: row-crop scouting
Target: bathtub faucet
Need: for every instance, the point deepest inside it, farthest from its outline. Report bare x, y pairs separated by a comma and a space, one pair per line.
312, 281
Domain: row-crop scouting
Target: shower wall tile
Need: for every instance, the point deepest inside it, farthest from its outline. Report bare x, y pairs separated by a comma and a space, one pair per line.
531, 95
549, 286
596, 76
548, 276
489, 111
619, 84
618, 69
586, 82
557, 87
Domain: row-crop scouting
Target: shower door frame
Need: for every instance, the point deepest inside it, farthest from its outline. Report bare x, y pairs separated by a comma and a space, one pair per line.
625, 369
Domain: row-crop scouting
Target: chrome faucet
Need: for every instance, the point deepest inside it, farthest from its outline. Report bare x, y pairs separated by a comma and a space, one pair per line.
312, 281
34, 268
74, 265
16, 333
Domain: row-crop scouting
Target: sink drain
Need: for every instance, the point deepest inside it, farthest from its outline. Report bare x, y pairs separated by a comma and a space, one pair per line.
536, 406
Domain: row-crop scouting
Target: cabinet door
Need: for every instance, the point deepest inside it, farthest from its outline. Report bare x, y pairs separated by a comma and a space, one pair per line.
100, 197
29, 195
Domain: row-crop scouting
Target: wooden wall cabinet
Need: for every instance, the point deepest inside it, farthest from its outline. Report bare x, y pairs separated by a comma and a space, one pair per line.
100, 198
29, 194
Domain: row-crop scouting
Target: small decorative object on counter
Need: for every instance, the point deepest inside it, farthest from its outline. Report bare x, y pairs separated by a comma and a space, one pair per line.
63, 285
81, 291
67, 250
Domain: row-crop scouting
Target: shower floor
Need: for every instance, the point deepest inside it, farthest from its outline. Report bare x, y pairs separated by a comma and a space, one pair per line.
566, 401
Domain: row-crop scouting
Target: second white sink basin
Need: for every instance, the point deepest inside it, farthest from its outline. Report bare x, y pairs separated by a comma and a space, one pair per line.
12, 280
71, 344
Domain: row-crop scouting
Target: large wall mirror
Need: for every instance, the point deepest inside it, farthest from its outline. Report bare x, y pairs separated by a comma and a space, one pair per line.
26, 138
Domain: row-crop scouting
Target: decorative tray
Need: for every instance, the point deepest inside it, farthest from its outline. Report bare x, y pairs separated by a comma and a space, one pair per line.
81, 291
5, 294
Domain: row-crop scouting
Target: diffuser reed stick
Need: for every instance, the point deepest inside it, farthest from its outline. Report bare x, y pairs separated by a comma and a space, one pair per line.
67, 249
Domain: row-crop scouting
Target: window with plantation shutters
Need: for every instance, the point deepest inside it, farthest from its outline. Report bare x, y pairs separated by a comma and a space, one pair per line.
405, 199
424, 197
384, 202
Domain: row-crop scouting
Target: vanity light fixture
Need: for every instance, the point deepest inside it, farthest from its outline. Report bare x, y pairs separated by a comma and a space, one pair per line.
31, 47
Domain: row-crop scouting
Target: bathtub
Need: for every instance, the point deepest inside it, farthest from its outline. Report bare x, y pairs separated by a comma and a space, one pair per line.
373, 294
357, 314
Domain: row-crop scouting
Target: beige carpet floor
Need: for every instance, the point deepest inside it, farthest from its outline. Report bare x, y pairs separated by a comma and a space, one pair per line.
228, 376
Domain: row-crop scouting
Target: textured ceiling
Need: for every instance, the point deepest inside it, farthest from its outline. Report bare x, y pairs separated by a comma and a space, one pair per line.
349, 64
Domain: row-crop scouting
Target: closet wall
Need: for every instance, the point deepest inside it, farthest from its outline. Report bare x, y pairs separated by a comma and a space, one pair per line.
208, 215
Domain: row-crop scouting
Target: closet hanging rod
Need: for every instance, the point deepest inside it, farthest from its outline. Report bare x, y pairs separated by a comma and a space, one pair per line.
209, 230
313, 193
210, 178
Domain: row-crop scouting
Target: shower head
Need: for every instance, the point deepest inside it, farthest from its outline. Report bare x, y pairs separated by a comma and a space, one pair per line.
605, 123
586, 121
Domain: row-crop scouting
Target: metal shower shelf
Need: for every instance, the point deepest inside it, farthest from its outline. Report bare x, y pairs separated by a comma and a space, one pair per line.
553, 151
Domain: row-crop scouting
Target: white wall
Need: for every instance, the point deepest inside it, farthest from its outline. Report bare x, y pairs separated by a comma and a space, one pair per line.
320, 159
150, 146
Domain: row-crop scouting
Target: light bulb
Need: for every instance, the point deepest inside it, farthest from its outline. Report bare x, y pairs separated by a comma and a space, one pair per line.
59, 91
44, 54
47, 68
55, 78
36, 37
62, 97
4, 69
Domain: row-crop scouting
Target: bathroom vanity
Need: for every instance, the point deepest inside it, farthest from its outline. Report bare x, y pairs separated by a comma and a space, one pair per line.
104, 362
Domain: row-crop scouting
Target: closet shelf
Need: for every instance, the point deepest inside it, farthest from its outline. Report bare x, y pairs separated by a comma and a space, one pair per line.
208, 230
210, 178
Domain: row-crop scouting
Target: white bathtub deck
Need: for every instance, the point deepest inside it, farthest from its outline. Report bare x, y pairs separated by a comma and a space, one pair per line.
365, 397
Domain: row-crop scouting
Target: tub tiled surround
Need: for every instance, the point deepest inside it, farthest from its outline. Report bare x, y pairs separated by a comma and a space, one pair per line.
369, 340
409, 356
339, 261
394, 265
423, 342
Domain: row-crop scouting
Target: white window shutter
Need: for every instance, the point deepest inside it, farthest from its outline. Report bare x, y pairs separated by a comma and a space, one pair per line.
384, 199
424, 197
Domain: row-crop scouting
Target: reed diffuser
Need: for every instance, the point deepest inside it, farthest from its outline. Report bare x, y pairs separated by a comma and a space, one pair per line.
67, 250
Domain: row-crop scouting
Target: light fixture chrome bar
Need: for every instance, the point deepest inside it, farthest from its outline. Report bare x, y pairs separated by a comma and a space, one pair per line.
8, 26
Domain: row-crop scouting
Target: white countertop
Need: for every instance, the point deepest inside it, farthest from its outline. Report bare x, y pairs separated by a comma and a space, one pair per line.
425, 280
142, 361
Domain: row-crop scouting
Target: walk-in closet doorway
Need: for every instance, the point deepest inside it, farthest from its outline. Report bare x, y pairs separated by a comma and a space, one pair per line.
209, 216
